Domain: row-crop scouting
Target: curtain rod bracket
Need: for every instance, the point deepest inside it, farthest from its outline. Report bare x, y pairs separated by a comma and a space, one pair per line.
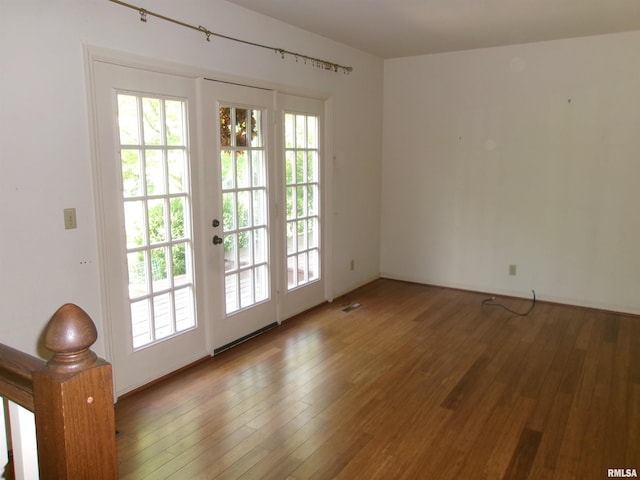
206, 32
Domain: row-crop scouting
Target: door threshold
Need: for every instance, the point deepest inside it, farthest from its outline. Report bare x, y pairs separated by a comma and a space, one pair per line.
245, 338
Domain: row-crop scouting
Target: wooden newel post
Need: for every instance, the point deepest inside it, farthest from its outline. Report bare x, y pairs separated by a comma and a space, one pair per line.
74, 411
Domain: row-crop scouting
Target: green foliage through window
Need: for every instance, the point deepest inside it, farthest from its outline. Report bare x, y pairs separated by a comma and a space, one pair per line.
158, 233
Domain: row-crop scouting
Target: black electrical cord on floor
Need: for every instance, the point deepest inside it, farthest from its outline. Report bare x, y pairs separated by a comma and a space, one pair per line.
490, 303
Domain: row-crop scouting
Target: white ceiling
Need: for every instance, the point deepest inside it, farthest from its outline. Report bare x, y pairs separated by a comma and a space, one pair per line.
398, 28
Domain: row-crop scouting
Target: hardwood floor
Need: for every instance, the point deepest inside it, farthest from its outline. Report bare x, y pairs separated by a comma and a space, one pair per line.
418, 383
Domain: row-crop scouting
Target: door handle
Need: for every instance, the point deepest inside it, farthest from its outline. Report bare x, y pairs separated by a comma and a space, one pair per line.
217, 240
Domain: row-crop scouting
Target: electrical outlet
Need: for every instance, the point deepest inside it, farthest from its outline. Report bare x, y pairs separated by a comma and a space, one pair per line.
512, 269
70, 220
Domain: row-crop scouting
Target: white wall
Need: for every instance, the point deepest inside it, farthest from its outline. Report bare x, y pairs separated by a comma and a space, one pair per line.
526, 155
45, 163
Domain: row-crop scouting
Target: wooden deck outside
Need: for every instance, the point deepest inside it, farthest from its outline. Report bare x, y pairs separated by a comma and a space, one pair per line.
418, 383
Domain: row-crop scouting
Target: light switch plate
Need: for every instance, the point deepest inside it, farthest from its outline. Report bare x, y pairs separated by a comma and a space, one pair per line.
70, 220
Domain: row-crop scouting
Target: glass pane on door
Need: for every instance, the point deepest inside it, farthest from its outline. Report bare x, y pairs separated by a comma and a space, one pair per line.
245, 207
157, 212
302, 192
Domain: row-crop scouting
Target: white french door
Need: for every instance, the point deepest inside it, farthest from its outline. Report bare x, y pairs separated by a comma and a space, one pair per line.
303, 199
238, 124
146, 125
268, 185
210, 211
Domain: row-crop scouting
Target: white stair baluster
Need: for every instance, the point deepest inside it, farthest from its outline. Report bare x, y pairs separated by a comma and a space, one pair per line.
23, 438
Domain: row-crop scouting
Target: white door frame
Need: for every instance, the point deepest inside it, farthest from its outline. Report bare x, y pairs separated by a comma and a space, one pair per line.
99, 54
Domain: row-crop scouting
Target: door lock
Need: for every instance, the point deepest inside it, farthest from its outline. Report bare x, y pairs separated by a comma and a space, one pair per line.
217, 240
215, 222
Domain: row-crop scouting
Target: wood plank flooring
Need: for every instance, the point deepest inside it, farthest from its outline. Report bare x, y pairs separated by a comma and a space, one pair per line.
418, 383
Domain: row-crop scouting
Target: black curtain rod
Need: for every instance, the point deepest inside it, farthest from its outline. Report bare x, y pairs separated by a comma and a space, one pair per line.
316, 62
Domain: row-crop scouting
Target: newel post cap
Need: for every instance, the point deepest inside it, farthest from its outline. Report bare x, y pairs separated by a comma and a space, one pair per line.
69, 334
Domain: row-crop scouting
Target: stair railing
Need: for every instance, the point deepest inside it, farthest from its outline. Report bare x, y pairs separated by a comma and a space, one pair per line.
60, 423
